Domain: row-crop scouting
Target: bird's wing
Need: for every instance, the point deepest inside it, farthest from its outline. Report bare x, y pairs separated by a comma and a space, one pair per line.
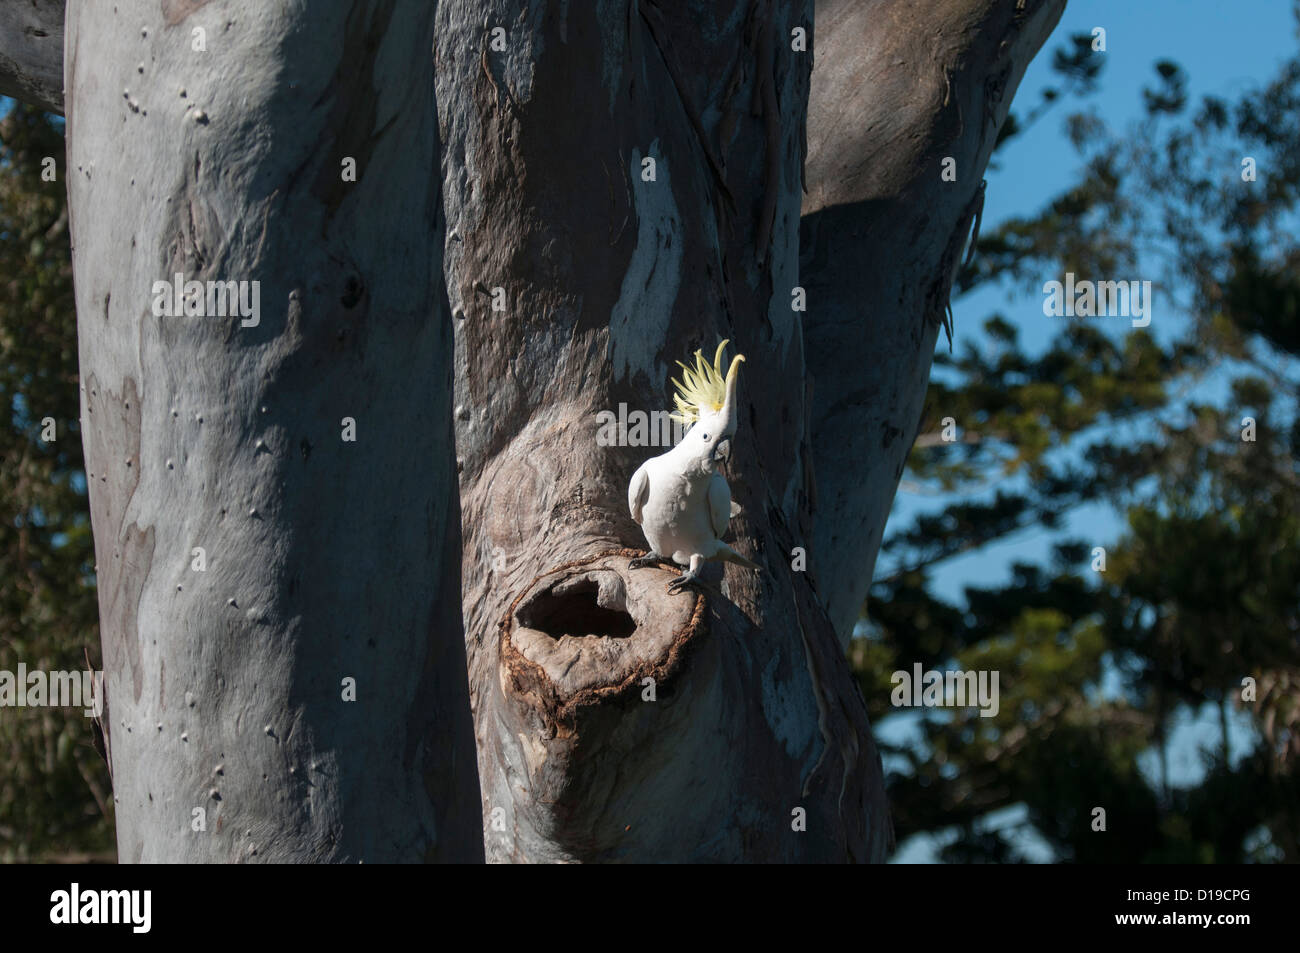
719, 504
638, 491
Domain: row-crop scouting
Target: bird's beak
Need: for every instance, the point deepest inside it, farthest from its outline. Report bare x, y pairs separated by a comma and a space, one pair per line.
722, 452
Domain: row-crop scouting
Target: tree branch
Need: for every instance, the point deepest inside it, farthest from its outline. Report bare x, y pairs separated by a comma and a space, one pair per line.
31, 52
896, 89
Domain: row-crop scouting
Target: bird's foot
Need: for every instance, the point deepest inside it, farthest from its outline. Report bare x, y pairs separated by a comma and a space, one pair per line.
649, 559
689, 578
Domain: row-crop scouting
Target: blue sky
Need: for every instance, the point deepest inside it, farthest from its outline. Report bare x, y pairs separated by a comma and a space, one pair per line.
1226, 48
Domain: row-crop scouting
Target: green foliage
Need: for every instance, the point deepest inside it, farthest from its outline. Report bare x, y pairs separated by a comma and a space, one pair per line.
55, 796
1201, 591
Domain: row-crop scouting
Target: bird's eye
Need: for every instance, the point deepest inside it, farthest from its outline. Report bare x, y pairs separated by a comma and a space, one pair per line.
706, 437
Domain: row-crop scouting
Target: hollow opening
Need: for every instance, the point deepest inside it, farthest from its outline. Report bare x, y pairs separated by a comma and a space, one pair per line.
572, 609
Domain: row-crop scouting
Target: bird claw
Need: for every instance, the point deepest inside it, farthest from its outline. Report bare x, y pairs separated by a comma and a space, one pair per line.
681, 582
640, 562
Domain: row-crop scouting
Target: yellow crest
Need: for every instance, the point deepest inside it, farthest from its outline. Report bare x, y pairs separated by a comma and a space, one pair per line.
704, 386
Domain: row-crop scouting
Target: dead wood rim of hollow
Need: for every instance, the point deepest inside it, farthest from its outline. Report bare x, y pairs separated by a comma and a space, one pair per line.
528, 681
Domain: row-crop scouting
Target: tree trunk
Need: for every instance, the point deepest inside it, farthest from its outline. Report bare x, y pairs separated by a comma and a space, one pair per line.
756, 744
327, 559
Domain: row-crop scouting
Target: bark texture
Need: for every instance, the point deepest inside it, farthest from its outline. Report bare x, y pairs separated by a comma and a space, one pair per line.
31, 52
898, 87
325, 559
756, 745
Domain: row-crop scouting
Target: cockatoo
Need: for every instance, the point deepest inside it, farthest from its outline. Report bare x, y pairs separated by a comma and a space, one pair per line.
679, 498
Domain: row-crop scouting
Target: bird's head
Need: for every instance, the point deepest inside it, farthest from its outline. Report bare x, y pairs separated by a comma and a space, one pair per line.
706, 400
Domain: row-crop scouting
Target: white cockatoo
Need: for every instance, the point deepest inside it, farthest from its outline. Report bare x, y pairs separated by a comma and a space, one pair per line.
679, 498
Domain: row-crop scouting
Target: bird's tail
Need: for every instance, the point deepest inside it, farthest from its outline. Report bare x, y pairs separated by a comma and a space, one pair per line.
727, 554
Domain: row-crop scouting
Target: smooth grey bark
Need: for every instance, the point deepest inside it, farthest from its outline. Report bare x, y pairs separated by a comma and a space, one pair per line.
607, 279
31, 52
897, 88
326, 559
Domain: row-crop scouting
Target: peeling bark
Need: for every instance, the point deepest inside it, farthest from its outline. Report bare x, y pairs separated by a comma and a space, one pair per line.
897, 87
325, 559
607, 280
